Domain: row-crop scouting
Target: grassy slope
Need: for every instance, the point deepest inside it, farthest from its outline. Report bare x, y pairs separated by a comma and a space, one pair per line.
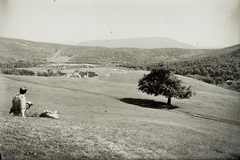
106, 117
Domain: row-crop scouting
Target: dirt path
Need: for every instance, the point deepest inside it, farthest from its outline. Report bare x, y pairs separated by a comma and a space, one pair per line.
57, 57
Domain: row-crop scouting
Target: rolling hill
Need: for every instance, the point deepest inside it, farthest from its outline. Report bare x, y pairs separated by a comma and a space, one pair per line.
146, 43
15, 49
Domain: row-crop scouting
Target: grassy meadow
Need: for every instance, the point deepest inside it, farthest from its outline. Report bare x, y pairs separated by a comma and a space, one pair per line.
106, 117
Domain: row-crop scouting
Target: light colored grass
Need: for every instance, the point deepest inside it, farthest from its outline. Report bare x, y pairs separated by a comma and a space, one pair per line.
95, 124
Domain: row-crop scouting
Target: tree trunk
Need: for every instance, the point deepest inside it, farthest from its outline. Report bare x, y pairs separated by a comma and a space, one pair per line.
169, 101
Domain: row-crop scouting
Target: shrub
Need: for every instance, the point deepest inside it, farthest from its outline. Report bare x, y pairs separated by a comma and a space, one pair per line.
26, 72
59, 73
219, 80
17, 72
45, 74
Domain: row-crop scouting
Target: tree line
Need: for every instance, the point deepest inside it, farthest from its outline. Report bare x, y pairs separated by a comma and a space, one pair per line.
12, 63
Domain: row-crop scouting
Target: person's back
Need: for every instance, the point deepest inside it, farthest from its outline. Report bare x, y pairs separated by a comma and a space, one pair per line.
19, 104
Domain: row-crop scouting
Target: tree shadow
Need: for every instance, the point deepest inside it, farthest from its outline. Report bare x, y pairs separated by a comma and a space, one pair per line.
147, 103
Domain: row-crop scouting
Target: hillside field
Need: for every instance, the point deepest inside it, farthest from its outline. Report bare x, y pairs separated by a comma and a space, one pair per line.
214, 66
106, 117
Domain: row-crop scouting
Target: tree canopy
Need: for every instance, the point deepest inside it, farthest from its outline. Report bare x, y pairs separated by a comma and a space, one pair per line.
162, 81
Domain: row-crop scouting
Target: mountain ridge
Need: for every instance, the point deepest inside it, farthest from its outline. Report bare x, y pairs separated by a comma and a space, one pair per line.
143, 43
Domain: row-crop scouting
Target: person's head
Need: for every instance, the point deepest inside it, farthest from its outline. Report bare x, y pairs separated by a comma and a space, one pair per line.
23, 90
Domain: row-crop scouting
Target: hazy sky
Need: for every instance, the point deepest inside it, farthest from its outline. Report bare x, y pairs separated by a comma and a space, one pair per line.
196, 22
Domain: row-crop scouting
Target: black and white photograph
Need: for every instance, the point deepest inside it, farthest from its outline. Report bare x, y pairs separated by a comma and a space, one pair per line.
119, 79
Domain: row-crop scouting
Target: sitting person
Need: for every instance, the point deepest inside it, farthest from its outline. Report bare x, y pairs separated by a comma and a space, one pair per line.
19, 103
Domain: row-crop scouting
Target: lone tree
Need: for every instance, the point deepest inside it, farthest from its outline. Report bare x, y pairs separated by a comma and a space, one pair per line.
162, 81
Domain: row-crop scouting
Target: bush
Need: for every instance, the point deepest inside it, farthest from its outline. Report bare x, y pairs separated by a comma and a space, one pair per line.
26, 72
219, 80
17, 72
45, 74
59, 73
48, 73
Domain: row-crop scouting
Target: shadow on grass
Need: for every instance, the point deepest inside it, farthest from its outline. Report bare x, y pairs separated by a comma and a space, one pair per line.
147, 103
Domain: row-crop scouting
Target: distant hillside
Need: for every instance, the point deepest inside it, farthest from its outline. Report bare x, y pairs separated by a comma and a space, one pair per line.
16, 49
214, 66
220, 67
147, 43
12, 50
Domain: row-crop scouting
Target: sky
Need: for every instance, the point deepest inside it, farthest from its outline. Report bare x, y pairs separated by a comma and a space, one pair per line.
195, 22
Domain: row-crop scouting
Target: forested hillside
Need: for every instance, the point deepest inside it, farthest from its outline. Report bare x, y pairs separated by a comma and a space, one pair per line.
220, 67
